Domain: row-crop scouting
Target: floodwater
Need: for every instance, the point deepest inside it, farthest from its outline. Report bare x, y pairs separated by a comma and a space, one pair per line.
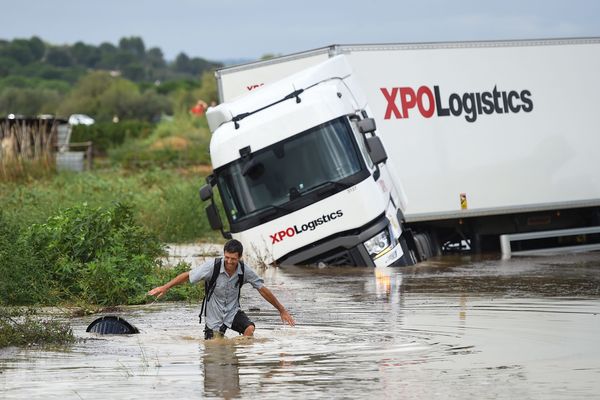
452, 328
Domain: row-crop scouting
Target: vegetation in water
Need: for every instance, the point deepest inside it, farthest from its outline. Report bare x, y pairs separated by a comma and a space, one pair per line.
22, 327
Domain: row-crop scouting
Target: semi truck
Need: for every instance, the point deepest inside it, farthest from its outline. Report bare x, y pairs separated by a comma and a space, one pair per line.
385, 155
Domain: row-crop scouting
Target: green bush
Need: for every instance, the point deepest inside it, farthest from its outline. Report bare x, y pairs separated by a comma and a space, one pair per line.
84, 255
108, 135
24, 275
181, 142
98, 255
178, 293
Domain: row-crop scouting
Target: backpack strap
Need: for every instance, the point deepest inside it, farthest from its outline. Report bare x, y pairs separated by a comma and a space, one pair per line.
209, 287
240, 281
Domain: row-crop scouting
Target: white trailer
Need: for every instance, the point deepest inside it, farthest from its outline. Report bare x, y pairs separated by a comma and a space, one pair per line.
482, 139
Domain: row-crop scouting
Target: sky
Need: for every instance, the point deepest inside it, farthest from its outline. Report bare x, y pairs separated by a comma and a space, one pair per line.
222, 30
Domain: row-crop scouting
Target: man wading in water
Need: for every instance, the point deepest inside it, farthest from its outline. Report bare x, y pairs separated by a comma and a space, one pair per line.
222, 297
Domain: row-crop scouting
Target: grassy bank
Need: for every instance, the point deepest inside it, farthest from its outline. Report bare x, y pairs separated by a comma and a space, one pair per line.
165, 202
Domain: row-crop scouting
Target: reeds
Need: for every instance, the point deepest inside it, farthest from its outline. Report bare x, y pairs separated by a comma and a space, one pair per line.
27, 148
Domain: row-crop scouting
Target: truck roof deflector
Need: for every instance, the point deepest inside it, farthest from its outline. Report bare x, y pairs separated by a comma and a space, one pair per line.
295, 94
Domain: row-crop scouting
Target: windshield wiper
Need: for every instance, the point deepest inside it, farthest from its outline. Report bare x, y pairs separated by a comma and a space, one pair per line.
327, 186
269, 211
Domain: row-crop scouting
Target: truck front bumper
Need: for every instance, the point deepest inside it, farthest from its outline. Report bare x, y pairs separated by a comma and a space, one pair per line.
391, 257
345, 249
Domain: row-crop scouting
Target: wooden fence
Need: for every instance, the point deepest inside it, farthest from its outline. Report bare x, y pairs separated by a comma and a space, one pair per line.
33, 146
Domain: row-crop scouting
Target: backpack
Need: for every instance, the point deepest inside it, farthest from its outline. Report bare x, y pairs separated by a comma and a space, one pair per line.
209, 286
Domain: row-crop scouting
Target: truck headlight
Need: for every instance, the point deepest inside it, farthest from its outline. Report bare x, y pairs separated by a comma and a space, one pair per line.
378, 243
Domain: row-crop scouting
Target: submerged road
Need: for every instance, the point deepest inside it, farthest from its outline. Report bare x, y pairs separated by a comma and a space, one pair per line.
452, 328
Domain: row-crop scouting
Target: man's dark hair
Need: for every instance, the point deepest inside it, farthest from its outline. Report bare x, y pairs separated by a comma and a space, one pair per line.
234, 246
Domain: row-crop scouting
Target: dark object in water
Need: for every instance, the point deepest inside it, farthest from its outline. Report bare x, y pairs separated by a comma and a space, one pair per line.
111, 325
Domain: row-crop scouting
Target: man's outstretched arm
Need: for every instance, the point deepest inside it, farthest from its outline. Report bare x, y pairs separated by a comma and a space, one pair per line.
270, 297
160, 291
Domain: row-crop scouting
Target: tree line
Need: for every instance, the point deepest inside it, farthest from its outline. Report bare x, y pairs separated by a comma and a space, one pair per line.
125, 80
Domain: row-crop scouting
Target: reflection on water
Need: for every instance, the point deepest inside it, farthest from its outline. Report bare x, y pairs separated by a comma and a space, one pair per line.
221, 369
387, 283
454, 328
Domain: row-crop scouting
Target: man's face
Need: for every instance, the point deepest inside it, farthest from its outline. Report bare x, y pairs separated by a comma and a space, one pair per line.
231, 260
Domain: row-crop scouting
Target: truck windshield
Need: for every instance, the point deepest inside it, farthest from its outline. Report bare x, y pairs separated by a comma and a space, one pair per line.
292, 173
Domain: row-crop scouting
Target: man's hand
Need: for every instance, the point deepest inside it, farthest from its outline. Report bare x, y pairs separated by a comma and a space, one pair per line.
287, 317
162, 290
270, 297
158, 291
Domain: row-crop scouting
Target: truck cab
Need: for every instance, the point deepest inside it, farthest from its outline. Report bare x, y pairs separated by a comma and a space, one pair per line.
303, 176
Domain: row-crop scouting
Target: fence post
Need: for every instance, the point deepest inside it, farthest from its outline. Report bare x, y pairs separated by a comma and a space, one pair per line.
90, 155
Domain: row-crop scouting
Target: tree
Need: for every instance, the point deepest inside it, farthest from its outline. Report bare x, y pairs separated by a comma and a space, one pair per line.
107, 48
7, 65
37, 47
198, 66
19, 51
84, 98
122, 59
29, 101
86, 55
103, 97
133, 45
182, 63
134, 71
108, 53
155, 58
208, 89
46, 71
59, 57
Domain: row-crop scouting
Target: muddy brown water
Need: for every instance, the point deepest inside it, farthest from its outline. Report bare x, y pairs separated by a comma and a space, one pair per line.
453, 328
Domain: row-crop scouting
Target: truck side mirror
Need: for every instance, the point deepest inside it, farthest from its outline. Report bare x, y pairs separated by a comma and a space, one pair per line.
206, 192
366, 125
212, 213
376, 150
215, 220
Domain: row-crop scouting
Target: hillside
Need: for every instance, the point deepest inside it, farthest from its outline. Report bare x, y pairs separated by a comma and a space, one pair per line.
40, 78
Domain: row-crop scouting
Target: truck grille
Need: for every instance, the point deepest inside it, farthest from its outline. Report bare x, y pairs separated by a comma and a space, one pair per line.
337, 257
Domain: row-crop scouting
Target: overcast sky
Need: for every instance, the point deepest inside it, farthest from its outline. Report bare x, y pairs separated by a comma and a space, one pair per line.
247, 29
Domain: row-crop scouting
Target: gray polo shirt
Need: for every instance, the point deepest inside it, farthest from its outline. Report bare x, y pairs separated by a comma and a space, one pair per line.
223, 304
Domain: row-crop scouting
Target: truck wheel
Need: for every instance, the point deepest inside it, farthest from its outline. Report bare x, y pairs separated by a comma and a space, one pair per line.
422, 246
436, 247
426, 245
408, 258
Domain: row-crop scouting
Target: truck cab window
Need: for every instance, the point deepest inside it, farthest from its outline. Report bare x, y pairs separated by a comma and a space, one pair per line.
318, 162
